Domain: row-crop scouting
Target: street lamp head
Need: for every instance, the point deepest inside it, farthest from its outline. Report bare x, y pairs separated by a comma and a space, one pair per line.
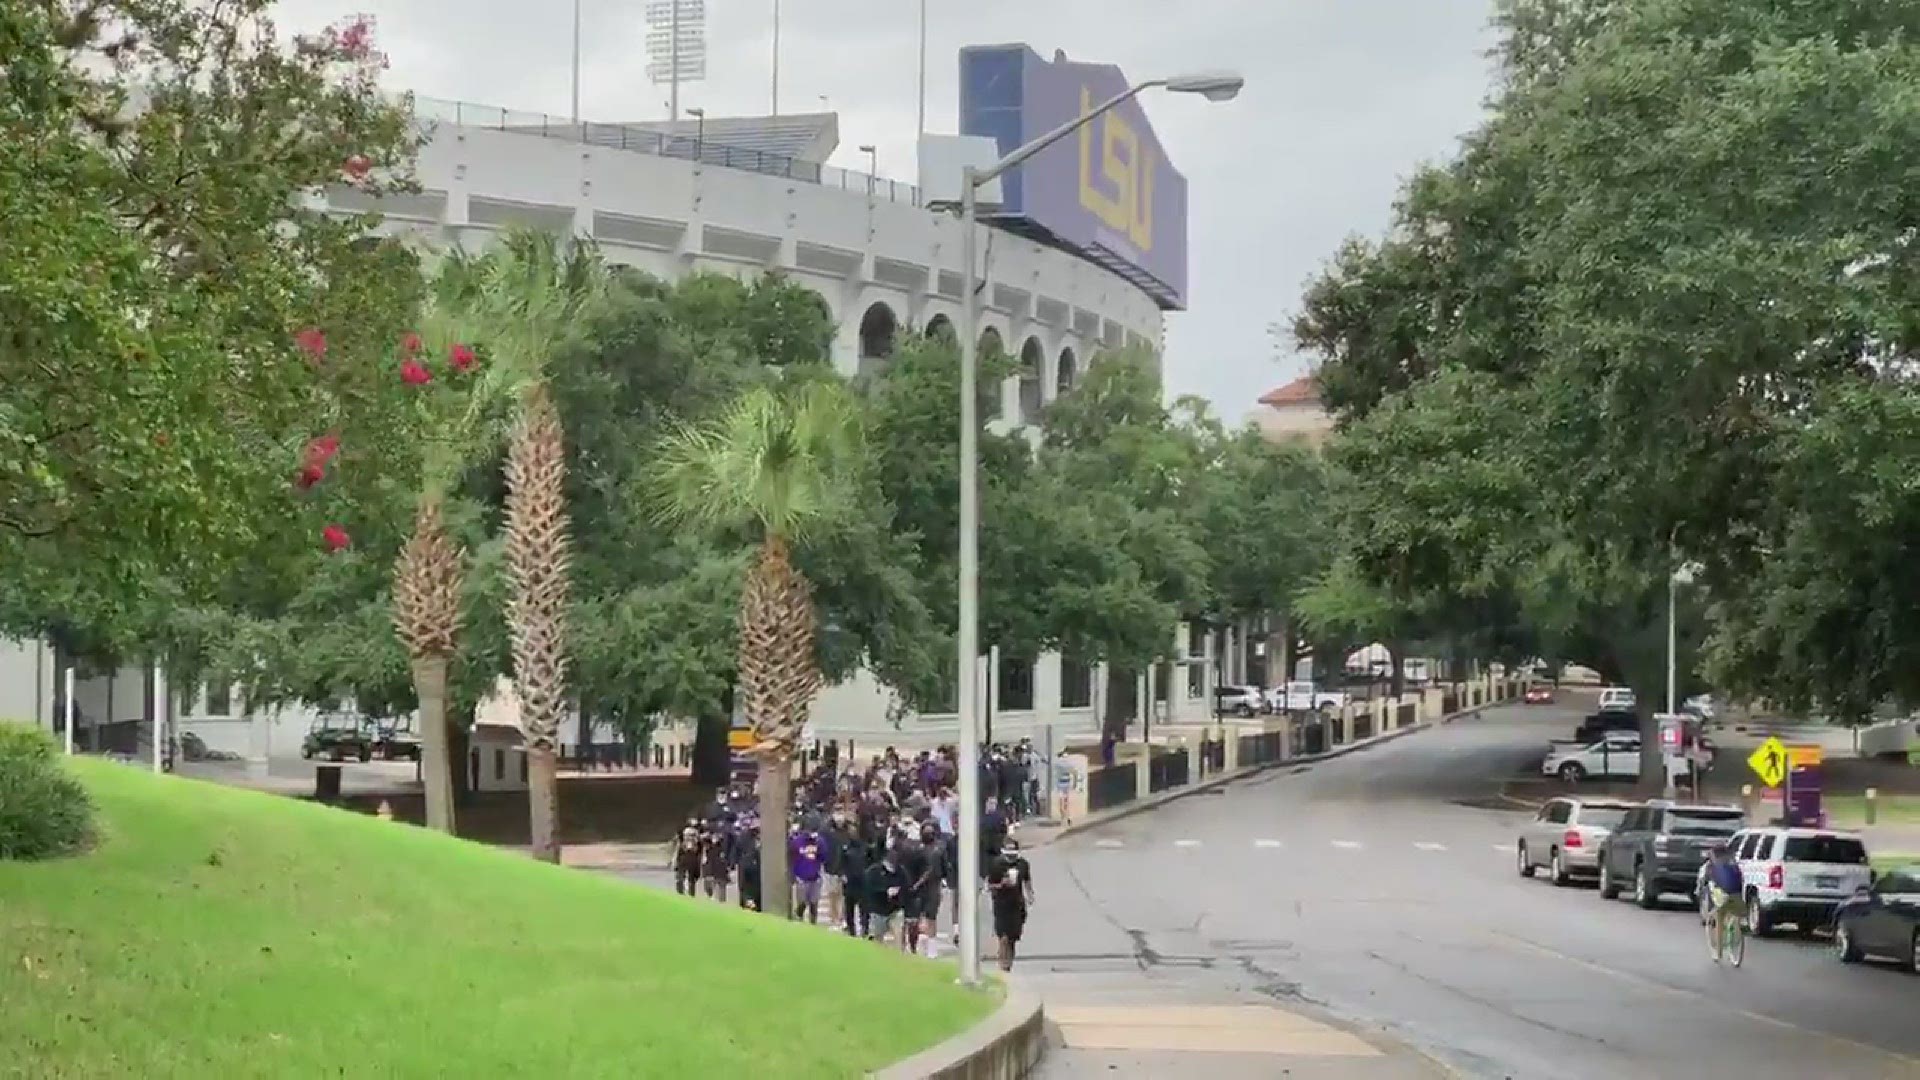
868, 149
1212, 85
696, 113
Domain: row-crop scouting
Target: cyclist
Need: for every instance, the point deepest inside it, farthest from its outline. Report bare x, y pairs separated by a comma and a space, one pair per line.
1725, 888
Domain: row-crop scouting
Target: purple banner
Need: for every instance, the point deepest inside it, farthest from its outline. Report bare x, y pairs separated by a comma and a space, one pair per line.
1108, 193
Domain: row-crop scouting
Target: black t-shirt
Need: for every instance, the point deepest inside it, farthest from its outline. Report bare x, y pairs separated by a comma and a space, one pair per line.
1007, 879
934, 869
686, 848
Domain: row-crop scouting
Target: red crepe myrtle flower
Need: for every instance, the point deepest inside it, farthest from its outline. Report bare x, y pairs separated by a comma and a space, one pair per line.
313, 342
321, 450
161, 438
335, 538
462, 357
355, 40
414, 373
309, 475
409, 343
357, 167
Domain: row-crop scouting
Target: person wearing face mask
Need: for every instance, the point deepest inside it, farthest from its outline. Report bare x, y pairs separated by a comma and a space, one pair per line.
932, 878
1010, 880
886, 895
686, 858
851, 857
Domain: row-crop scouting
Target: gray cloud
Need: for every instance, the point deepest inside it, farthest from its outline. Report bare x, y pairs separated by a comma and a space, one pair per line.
1343, 99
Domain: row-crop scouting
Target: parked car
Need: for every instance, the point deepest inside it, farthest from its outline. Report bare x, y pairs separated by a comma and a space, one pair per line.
1539, 694
1797, 876
1882, 920
394, 742
1658, 849
1702, 706
1617, 754
1239, 700
1304, 697
337, 738
1565, 836
1618, 699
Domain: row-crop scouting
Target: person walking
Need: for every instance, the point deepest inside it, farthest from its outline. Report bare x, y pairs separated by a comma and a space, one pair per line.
886, 895
686, 858
1010, 880
808, 850
852, 858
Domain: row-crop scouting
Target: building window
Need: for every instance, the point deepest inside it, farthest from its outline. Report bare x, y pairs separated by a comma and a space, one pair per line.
1016, 685
1162, 675
499, 764
219, 700
1196, 679
1076, 683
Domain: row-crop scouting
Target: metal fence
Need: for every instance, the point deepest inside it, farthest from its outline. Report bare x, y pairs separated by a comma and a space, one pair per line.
1449, 703
662, 144
1112, 785
1406, 714
1167, 770
1259, 749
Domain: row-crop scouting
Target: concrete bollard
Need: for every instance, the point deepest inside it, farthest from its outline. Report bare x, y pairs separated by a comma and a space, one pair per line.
1873, 805
1746, 800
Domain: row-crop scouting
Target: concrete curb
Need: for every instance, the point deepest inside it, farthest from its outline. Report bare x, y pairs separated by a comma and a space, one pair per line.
1004, 1046
1154, 802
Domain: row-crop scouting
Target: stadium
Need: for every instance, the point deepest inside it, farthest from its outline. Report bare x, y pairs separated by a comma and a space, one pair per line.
1084, 253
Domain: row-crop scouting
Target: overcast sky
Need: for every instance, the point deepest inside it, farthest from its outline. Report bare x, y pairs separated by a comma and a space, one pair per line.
1343, 99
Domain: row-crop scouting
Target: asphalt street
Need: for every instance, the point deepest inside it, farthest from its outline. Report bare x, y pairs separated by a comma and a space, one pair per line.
1366, 904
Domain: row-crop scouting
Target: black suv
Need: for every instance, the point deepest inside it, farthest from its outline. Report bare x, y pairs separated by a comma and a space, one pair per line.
1658, 849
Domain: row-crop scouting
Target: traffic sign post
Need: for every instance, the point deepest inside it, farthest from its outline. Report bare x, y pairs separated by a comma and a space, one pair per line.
1769, 762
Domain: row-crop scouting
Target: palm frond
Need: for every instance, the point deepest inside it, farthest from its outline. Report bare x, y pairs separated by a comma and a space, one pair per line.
784, 459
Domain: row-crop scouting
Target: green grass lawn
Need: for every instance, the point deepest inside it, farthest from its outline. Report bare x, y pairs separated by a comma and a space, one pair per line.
1850, 811
224, 933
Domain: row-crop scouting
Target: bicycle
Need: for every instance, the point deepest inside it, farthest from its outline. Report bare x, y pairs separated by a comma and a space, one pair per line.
1726, 930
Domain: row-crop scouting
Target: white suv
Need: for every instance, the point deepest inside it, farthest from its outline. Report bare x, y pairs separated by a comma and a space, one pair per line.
1796, 876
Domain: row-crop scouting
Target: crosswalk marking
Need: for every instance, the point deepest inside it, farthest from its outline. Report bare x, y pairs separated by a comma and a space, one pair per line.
1504, 849
1186, 843
1347, 845
1108, 843
1428, 845
1266, 843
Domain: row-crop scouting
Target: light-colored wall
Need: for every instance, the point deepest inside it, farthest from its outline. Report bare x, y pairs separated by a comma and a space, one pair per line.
27, 682
1309, 423
671, 216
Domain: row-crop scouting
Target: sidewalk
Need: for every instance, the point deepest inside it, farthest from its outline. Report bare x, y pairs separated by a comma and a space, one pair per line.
1040, 832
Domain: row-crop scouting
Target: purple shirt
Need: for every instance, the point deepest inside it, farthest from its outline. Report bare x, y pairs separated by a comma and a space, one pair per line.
808, 853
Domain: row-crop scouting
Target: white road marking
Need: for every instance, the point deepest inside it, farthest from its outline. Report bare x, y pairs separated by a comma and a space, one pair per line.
1266, 843
1428, 845
1109, 843
1347, 845
1504, 849
1186, 843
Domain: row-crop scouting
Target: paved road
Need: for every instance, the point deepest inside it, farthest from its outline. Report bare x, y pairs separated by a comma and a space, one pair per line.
1362, 893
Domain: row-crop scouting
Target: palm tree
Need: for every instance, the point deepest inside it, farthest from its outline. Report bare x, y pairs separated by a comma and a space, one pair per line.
781, 461
427, 581
523, 303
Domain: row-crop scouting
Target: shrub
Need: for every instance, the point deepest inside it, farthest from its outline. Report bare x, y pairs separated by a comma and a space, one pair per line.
43, 811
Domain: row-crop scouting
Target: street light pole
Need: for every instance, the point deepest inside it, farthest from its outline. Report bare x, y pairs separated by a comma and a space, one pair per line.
576, 63
921, 117
1215, 87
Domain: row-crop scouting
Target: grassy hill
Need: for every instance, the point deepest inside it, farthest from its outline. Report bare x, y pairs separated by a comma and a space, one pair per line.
225, 933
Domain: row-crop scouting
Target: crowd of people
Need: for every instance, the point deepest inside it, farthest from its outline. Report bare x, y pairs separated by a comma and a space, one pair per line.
875, 849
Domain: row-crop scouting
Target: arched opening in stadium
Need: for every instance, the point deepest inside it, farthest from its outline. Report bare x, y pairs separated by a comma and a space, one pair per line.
991, 346
1032, 358
1069, 371
877, 329
940, 328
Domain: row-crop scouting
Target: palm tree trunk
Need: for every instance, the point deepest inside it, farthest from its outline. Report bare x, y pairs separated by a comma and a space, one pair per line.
538, 555
543, 795
436, 765
776, 787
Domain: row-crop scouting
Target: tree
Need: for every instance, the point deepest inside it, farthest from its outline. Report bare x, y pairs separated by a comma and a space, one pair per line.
161, 259
1666, 343
525, 302
783, 462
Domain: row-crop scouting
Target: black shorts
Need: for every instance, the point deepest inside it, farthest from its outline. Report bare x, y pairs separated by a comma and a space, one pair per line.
1008, 921
929, 905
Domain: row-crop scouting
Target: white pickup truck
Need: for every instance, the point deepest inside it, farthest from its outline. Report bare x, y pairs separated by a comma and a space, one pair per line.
1304, 697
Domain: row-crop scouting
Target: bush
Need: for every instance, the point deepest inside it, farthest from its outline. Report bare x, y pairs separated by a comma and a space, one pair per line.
43, 811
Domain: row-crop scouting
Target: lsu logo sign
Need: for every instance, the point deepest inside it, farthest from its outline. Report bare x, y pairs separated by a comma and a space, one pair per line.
1117, 168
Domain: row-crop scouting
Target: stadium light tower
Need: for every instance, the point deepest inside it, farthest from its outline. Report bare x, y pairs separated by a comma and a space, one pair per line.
1215, 86
676, 46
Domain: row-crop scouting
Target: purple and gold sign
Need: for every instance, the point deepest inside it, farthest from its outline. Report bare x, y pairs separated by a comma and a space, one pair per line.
1109, 194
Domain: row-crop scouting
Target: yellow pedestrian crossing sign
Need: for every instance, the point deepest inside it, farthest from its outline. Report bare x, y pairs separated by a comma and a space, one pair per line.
1770, 762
